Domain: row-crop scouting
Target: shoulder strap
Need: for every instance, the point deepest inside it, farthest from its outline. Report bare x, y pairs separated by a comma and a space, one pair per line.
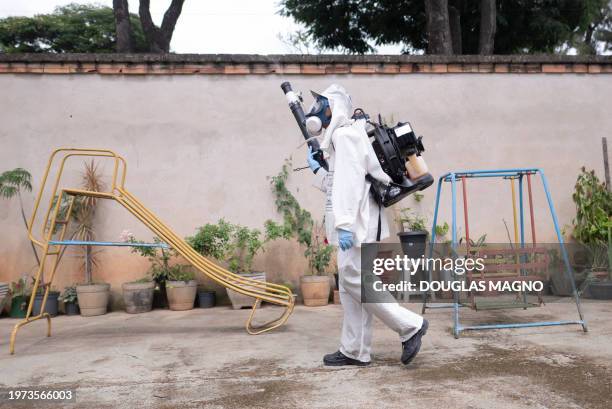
378, 231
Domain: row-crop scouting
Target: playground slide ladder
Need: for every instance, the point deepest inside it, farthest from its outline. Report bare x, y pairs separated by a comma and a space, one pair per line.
55, 223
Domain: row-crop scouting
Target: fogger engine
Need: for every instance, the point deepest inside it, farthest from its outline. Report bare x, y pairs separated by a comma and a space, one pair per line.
397, 148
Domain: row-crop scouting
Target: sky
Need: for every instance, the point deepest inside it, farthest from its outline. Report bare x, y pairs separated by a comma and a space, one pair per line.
208, 27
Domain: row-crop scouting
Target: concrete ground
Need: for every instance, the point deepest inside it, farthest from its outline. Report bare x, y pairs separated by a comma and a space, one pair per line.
204, 358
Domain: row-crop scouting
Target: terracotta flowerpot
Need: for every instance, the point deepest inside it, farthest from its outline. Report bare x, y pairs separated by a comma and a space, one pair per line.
240, 300
337, 297
181, 294
315, 290
138, 297
93, 299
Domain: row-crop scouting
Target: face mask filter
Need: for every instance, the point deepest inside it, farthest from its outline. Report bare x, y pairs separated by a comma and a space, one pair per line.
314, 126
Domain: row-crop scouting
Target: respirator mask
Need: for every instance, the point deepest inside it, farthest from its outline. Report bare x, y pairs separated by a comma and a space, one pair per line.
397, 148
317, 118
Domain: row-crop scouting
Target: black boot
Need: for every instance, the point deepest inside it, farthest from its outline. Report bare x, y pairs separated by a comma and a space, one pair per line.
411, 347
339, 359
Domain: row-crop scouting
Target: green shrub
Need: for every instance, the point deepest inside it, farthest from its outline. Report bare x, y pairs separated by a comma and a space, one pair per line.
233, 243
180, 273
212, 240
593, 222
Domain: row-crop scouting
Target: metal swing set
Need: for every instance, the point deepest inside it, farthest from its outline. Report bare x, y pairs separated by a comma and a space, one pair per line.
519, 263
57, 217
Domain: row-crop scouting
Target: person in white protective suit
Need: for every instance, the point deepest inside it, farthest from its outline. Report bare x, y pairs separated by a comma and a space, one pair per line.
352, 217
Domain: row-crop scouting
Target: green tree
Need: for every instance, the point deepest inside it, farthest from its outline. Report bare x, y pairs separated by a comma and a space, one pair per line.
595, 34
447, 26
74, 28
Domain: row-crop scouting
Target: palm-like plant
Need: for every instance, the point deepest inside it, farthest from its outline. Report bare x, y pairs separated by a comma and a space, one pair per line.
12, 182
83, 214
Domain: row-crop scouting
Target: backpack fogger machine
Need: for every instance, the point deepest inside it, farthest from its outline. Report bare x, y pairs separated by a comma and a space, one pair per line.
398, 150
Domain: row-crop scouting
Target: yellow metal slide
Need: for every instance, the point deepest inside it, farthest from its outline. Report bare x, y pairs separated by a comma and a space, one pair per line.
54, 230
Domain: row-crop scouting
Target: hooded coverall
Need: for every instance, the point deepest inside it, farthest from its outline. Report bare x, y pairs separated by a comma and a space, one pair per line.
349, 206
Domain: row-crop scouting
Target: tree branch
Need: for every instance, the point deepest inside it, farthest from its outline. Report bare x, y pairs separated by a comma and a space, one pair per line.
159, 38
150, 30
170, 18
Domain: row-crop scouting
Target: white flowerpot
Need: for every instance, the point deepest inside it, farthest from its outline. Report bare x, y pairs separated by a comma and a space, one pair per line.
240, 300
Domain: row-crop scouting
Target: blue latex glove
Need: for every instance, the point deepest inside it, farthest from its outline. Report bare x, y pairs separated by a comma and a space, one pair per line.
314, 165
345, 239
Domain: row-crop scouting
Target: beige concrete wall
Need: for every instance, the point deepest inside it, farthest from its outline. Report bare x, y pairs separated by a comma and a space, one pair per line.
201, 147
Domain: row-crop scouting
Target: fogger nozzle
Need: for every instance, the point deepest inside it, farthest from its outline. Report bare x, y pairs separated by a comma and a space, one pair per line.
295, 104
286, 86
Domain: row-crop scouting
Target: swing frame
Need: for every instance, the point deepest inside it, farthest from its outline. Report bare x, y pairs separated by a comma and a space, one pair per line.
513, 174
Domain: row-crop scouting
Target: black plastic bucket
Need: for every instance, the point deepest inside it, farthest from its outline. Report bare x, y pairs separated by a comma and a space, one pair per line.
50, 306
71, 308
206, 299
413, 243
601, 290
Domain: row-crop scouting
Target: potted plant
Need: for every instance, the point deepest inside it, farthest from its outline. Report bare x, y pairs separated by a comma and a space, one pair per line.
52, 303
601, 289
181, 288
592, 227
413, 236
245, 245
413, 239
315, 287
93, 297
19, 298
298, 223
138, 295
598, 280
12, 183
236, 245
213, 241
71, 305
160, 258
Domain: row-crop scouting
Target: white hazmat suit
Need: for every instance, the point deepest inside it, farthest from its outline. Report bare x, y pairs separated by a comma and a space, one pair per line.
349, 206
